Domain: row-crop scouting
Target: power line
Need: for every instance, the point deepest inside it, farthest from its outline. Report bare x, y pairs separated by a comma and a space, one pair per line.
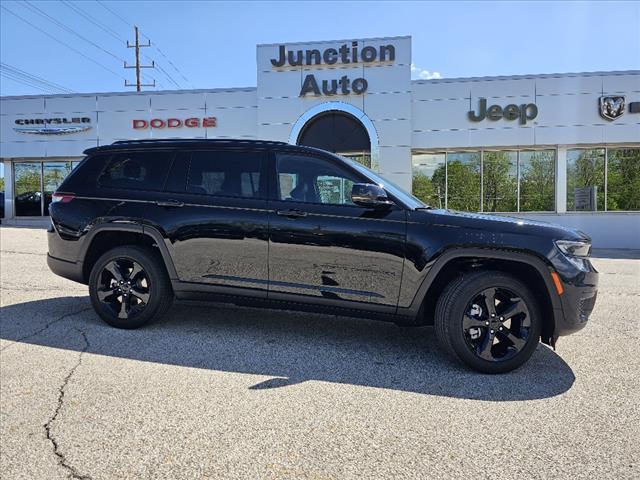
70, 30
126, 22
25, 82
171, 63
62, 43
93, 20
34, 78
24, 78
114, 13
19, 71
166, 74
112, 32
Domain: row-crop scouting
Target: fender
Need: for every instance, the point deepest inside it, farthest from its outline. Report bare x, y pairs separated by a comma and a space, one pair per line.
489, 253
151, 232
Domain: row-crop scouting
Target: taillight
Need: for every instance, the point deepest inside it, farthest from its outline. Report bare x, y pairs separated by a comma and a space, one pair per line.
62, 197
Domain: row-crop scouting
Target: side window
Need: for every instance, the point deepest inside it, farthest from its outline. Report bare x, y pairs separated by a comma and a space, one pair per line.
177, 179
226, 173
136, 170
313, 180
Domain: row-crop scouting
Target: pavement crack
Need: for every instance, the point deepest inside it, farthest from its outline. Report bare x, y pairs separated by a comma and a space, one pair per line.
40, 330
24, 253
62, 459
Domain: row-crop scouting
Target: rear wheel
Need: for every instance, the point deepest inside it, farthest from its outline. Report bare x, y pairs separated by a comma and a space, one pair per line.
488, 320
129, 287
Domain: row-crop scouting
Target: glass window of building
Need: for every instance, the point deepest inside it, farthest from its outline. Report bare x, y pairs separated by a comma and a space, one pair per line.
28, 189
53, 173
35, 183
463, 181
537, 181
585, 180
623, 179
429, 178
500, 181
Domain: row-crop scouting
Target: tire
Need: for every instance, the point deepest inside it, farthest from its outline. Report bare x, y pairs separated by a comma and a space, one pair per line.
466, 329
120, 304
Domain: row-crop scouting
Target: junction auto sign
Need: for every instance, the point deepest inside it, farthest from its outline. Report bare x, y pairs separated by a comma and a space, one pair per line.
193, 122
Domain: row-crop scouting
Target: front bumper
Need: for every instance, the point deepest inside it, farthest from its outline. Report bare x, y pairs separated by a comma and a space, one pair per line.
577, 300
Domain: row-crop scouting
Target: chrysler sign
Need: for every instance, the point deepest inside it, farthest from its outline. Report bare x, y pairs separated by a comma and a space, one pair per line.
52, 126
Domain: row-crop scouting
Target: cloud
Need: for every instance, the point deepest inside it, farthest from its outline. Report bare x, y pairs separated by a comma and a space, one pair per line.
422, 74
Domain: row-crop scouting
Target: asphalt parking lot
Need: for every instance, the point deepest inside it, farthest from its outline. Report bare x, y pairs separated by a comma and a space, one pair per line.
224, 392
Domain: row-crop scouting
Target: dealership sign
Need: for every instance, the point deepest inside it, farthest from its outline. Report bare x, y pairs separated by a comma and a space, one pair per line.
193, 122
612, 106
345, 55
523, 112
52, 126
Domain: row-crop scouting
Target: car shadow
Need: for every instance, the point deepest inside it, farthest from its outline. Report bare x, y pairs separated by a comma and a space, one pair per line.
289, 348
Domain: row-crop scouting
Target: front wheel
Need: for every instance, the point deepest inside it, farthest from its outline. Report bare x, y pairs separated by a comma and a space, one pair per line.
129, 287
488, 320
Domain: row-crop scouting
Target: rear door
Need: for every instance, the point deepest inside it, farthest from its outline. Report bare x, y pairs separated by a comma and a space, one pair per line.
322, 247
213, 213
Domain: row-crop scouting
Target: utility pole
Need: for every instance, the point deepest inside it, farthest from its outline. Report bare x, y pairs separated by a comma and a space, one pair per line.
137, 66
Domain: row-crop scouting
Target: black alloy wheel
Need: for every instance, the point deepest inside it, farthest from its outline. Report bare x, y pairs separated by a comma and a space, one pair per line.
488, 320
124, 287
496, 324
129, 286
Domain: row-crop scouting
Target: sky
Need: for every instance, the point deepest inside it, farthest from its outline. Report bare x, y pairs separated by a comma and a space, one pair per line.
213, 44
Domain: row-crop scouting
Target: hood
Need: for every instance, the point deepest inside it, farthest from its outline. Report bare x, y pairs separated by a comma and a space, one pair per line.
501, 224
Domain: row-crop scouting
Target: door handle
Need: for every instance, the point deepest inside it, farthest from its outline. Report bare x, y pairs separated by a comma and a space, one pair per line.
169, 203
291, 213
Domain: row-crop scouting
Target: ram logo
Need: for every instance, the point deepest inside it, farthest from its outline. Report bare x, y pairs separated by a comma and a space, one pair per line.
611, 107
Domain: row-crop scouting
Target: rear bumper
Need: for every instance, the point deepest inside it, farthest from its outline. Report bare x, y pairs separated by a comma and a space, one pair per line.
63, 268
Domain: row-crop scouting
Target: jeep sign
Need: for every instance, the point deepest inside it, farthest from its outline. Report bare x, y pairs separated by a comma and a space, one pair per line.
523, 112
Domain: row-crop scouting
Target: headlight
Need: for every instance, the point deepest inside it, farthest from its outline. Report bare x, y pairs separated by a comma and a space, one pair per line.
574, 249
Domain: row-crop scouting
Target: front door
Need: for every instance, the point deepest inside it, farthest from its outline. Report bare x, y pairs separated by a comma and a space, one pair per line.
322, 245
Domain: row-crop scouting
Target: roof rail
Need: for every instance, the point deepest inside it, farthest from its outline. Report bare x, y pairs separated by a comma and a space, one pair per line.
199, 140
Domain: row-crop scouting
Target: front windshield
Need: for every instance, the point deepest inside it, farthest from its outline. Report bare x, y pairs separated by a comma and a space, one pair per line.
408, 199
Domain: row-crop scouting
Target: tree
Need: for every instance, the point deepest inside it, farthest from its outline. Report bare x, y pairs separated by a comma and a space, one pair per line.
623, 179
429, 191
537, 181
464, 184
586, 171
500, 182
27, 181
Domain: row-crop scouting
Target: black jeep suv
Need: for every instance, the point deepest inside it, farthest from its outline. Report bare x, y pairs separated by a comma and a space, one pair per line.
270, 224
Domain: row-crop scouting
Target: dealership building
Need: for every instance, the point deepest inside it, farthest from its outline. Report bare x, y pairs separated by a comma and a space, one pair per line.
563, 148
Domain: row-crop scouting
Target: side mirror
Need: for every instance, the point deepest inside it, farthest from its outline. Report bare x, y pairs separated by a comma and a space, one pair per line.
370, 195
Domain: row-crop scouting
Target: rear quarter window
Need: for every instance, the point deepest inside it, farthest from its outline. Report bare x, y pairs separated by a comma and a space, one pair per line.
136, 170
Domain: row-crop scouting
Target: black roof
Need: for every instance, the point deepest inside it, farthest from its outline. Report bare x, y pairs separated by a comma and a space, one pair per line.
190, 142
